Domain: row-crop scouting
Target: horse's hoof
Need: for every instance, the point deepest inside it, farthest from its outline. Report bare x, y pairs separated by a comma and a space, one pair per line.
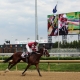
23, 74
40, 75
7, 70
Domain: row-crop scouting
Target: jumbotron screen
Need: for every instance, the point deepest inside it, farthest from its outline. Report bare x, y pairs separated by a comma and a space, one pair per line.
64, 24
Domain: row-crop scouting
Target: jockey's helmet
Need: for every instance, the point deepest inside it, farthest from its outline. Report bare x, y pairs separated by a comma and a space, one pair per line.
64, 16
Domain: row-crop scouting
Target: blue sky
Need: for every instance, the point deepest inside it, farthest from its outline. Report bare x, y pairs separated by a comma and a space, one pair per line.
17, 17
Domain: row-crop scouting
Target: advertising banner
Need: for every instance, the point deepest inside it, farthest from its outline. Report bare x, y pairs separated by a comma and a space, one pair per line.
52, 25
65, 24
73, 22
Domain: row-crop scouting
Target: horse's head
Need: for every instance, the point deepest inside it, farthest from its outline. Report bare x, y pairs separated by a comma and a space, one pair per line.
46, 53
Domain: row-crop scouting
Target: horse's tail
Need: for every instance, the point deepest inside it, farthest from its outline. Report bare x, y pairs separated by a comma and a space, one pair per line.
8, 59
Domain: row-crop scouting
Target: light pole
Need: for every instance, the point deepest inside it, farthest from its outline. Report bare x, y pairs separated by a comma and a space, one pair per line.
36, 21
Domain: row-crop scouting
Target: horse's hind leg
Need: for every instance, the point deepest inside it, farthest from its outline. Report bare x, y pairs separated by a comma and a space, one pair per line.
8, 67
11, 64
25, 69
37, 67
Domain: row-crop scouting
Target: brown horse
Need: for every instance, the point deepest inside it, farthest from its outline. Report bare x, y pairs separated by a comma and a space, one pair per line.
33, 59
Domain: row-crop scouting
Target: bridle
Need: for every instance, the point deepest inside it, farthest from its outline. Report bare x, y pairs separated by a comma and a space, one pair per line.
44, 52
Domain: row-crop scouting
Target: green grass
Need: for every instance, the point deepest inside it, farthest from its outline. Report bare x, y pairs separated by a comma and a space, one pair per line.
61, 67
49, 58
69, 67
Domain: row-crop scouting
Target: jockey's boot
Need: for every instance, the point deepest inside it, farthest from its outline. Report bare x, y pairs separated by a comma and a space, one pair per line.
27, 57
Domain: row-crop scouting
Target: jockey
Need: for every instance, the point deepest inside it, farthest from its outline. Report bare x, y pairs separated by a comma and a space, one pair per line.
32, 47
62, 22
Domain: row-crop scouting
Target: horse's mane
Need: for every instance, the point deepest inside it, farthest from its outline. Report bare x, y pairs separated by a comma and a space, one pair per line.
40, 49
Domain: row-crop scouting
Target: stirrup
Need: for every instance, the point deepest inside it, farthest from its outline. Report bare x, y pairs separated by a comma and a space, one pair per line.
26, 56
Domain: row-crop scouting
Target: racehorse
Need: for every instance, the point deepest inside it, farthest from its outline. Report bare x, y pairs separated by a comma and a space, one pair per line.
33, 59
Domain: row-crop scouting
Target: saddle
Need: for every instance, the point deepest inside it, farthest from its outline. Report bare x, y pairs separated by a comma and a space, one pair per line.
29, 54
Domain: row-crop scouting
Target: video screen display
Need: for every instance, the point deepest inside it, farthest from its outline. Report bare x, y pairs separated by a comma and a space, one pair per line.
64, 24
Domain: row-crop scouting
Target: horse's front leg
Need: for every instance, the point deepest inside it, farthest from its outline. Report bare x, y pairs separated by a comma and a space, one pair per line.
37, 67
25, 69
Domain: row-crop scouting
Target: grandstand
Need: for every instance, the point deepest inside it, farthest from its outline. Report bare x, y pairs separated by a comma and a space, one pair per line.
11, 48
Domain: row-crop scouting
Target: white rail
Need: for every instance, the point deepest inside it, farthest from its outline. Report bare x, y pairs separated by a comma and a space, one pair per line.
49, 53
6, 54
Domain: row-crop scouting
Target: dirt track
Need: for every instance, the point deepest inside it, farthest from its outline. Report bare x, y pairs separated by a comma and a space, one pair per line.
33, 75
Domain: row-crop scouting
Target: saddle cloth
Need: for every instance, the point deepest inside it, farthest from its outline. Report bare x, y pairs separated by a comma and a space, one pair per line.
23, 54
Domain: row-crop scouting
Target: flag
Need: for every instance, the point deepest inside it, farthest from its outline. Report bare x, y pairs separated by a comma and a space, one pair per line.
55, 9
